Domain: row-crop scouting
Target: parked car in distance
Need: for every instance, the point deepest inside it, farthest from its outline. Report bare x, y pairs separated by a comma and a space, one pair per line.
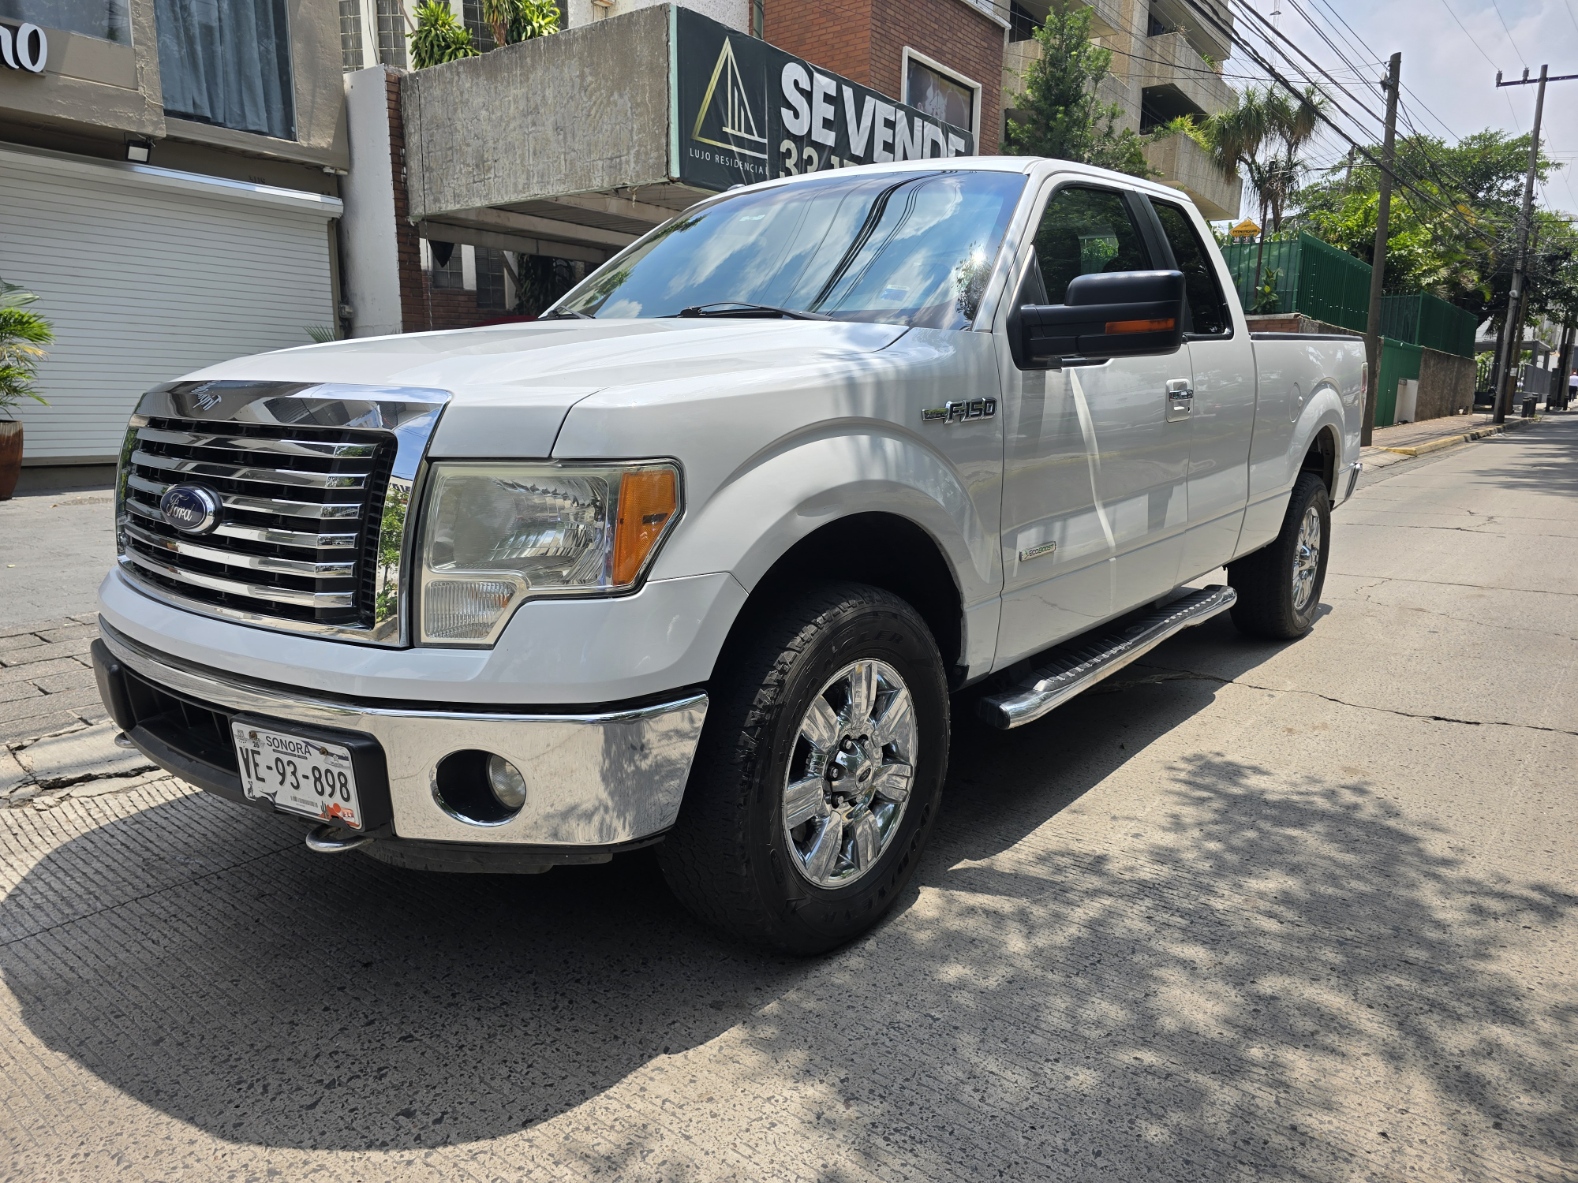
707, 555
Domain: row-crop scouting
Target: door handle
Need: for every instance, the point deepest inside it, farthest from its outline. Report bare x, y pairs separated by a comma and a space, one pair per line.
1180, 399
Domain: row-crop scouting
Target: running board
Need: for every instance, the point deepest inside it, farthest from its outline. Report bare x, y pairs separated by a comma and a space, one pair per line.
1086, 660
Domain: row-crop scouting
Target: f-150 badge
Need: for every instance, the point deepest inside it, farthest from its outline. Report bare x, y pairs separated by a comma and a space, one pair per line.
959, 412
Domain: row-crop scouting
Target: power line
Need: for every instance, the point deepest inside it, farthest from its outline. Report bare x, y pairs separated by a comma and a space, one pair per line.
1474, 41
1419, 147
1186, 69
1234, 38
1497, 6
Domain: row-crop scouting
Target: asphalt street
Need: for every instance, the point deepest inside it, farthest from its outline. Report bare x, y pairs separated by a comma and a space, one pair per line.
1249, 911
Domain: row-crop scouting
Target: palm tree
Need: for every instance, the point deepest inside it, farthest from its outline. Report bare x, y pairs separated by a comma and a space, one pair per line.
23, 334
1262, 133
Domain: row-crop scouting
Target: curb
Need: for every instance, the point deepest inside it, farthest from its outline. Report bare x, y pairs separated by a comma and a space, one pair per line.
1452, 441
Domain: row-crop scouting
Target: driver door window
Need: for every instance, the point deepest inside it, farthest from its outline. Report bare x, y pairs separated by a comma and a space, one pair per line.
1085, 231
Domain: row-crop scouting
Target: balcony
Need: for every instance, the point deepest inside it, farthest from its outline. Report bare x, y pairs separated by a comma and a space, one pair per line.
1207, 36
1171, 64
1185, 165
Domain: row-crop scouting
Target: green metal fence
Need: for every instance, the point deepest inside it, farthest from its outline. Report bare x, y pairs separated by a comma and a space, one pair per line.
1305, 275
1422, 319
1399, 359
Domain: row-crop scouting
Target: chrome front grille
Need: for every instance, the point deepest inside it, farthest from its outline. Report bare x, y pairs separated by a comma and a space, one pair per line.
295, 530
312, 483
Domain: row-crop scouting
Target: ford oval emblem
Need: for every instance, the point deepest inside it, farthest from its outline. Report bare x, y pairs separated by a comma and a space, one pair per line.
191, 509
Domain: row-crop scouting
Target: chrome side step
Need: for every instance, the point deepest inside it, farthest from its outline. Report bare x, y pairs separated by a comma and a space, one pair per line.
1086, 660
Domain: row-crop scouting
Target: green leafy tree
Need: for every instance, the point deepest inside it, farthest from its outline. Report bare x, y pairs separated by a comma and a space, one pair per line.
438, 37
23, 335
512, 21
1060, 116
1453, 227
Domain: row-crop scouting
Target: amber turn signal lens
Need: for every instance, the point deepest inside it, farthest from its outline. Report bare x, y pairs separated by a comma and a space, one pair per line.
648, 499
1160, 325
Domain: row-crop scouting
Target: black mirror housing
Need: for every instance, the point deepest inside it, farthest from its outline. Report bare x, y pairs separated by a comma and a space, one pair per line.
1112, 314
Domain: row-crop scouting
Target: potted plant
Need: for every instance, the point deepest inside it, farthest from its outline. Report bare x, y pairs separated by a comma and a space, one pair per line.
23, 334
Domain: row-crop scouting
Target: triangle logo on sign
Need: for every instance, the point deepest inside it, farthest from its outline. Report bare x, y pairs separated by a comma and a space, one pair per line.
726, 111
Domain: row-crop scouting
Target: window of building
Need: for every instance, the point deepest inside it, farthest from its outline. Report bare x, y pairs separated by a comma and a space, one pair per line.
372, 33
1085, 231
758, 18
1208, 314
490, 278
391, 32
106, 19
1022, 23
481, 32
351, 35
944, 96
227, 62
446, 265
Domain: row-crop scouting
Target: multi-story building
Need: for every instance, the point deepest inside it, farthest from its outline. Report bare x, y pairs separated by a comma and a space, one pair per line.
606, 138
169, 181
1166, 62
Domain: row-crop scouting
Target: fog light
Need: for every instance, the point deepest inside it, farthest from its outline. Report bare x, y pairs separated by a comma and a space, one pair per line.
507, 783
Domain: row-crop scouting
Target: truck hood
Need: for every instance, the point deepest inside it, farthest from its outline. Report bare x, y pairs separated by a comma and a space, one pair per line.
514, 384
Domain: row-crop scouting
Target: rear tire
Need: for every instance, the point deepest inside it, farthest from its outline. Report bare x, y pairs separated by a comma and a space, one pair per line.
817, 779
1279, 586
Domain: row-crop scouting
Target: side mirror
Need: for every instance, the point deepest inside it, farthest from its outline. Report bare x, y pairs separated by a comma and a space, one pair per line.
1111, 314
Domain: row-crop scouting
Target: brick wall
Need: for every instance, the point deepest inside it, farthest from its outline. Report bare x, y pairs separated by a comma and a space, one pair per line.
422, 306
864, 40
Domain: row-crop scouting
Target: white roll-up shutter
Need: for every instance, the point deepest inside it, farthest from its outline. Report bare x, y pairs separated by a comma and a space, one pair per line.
147, 274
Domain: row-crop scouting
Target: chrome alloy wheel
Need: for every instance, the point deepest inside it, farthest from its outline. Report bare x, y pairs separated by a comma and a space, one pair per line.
849, 777
1306, 559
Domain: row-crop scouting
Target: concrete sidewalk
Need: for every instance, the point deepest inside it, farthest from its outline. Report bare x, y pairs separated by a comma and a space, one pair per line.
1405, 441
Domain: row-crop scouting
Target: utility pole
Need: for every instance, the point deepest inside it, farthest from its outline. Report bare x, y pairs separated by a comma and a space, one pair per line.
1372, 328
1512, 327
1564, 364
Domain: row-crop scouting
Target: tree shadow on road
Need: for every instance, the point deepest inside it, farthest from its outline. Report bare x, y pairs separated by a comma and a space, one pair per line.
1174, 1004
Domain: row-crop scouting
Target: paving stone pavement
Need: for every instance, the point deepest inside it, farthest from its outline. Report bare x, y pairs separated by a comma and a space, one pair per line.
1288, 912
46, 677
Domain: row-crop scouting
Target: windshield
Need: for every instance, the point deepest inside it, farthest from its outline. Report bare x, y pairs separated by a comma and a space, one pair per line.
903, 248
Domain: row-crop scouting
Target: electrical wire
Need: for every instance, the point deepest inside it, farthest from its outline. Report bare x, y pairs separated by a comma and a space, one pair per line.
1508, 30
1436, 165
1260, 59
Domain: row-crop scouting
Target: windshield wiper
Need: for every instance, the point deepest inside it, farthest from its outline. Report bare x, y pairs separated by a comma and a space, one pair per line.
744, 308
565, 314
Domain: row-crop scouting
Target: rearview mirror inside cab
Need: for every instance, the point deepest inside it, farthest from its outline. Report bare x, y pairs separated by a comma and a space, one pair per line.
1109, 314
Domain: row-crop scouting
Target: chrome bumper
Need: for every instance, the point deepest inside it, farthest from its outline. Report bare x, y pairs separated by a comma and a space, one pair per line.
592, 779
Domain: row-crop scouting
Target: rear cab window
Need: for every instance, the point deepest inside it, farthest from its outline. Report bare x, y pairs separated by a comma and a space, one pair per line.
1208, 314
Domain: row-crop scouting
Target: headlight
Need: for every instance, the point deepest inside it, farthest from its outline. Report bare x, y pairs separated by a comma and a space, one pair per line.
497, 534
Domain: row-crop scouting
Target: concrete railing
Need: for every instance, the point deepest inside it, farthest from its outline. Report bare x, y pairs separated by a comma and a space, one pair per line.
1169, 60
1186, 165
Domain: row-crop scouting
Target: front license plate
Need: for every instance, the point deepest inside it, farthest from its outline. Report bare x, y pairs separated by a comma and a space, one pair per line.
301, 775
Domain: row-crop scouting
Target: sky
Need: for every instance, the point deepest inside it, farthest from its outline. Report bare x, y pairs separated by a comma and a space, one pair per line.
1451, 51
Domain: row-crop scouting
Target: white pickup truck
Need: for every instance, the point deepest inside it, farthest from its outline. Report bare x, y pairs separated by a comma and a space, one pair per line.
707, 555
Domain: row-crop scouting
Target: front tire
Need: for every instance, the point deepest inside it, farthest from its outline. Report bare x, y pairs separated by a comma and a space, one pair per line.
1279, 586
818, 775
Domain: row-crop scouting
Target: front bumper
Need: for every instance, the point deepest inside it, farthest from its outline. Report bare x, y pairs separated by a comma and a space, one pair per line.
595, 779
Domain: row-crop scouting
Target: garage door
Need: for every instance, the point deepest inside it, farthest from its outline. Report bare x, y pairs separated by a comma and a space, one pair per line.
146, 275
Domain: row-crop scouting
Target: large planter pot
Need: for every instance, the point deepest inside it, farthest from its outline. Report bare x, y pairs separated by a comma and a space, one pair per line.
10, 456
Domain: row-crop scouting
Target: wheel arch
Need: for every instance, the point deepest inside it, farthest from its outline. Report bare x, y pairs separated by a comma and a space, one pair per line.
883, 549
1321, 458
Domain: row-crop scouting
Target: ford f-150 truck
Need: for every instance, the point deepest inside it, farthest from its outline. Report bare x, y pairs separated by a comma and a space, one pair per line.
706, 555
